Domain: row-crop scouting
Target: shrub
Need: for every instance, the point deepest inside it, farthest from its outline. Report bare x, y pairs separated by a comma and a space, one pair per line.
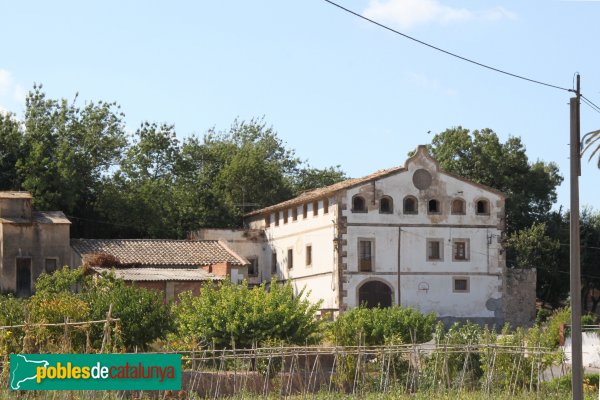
376, 326
230, 315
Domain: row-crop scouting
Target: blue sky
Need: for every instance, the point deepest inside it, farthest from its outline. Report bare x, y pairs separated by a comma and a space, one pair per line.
337, 89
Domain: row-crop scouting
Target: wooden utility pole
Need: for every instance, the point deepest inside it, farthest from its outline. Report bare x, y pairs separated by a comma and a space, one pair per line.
576, 356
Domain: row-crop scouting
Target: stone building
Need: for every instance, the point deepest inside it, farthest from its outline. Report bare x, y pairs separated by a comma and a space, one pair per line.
31, 242
414, 235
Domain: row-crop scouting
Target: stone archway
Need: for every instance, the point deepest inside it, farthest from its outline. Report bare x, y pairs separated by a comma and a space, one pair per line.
375, 293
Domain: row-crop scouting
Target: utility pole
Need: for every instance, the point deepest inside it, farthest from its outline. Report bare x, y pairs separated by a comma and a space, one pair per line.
576, 356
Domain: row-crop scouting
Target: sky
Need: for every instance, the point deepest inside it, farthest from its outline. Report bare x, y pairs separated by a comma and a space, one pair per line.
337, 89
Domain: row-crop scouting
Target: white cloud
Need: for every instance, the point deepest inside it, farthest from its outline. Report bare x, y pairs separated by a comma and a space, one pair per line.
408, 13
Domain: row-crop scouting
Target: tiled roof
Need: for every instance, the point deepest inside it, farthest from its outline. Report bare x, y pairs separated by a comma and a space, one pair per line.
320, 193
39, 217
161, 274
160, 252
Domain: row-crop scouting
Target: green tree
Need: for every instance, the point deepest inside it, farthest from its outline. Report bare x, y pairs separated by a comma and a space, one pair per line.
230, 315
138, 198
533, 248
11, 137
65, 151
309, 178
482, 158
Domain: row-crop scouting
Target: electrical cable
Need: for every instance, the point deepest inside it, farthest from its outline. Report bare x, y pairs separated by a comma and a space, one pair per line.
446, 51
590, 104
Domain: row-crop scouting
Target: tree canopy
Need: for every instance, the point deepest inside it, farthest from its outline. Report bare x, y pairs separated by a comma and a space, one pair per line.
481, 157
151, 184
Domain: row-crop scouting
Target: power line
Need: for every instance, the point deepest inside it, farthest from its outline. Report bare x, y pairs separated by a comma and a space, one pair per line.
446, 51
590, 103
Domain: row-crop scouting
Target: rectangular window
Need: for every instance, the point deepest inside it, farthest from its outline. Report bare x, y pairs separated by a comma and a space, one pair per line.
325, 206
253, 267
273, 263
290, 258
460, 285
295, 214
365, 255
309, 255
285, 216
315, 208
434, 249
304, 210
276, 218
51, 265
267, 220
460, 249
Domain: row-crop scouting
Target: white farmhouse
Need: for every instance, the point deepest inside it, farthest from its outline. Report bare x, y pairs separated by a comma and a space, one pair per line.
415, 235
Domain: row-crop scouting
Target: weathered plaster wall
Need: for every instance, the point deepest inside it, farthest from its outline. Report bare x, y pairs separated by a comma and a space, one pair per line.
520, 296
36, 241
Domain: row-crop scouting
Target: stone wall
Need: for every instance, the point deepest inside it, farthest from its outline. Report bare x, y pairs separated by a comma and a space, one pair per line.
519, 296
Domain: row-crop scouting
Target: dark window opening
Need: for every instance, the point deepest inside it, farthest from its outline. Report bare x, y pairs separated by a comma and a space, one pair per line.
290, 258
285, 216
316, 208
410, 205
273, 263
253, 267
386, 205
267, 220
308, 255
325, 206
304, 210
433, 207
358, 204
483, 207
375, 294
295, 214
23, 277
276, 218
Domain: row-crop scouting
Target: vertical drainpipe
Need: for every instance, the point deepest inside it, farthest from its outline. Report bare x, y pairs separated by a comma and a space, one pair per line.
399, 258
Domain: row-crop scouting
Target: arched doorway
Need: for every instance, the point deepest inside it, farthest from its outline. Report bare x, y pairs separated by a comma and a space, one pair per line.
375, 293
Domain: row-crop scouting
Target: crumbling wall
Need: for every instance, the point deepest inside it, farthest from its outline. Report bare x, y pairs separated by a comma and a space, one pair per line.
519, 296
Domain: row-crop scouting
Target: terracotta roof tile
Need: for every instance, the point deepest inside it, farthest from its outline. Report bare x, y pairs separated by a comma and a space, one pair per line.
160, 252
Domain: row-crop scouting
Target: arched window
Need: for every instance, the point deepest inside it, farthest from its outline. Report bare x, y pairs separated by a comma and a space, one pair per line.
483, 207
375, 294
386, 205
410, 205
433, 207
458, 206
358, 204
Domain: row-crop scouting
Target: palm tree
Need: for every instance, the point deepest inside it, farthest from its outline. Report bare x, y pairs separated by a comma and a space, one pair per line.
591, 139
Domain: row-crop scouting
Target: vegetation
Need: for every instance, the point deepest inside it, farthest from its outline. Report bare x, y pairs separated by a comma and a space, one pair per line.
71, 295
377, 326
236, 316
80, 160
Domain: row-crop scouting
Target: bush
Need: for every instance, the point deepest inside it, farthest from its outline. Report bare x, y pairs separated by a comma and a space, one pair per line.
230, 315
376, 326
144, 317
